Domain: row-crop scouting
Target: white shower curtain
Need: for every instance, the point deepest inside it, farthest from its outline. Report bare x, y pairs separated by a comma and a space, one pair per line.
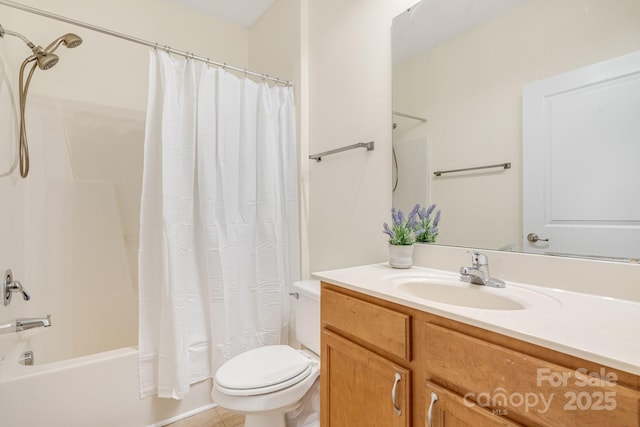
219, 244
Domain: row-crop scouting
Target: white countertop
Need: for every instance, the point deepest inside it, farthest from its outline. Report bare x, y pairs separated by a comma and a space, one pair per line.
600, 329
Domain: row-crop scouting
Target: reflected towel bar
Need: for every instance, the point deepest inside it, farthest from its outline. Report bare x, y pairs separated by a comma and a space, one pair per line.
409, 116
318, 157
499, 165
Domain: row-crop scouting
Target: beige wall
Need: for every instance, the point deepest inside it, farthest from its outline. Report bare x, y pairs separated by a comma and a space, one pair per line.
276, 43
349, 102
470, 89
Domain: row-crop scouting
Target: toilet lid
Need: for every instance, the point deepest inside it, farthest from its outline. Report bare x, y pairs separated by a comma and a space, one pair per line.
263, 370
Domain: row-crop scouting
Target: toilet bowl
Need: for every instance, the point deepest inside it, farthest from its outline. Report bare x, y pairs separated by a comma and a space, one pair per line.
267, 382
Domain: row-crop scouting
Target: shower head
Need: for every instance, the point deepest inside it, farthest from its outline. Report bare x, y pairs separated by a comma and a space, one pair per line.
45, 60
69, 40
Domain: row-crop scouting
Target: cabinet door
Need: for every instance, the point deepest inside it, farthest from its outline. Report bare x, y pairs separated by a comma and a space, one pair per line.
361, 388
448, 409
527, 387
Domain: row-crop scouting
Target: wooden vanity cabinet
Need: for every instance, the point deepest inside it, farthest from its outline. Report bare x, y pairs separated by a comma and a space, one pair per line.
447, 373
527, 388
360, 383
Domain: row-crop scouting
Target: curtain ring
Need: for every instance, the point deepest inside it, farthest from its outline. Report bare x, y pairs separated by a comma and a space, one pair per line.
156, 46
245, 72
167, 48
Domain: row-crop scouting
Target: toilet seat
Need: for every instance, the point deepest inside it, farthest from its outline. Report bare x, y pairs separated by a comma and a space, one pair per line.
262, 370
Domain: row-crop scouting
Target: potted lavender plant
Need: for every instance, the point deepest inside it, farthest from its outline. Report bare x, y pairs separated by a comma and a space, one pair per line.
402, 234
429, 229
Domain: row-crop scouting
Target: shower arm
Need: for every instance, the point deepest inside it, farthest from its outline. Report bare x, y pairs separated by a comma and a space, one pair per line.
21, 37
13, 33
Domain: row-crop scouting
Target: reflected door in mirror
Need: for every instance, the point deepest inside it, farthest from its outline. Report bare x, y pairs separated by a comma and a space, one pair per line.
581, 143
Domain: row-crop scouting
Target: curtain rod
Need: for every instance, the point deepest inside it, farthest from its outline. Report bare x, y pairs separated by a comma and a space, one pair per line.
138, 40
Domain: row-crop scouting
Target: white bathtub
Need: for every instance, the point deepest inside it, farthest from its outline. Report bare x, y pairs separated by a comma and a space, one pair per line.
95, 390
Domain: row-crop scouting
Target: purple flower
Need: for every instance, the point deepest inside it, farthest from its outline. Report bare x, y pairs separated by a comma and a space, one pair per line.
414, 211
388, 231
413, 222
430, 209
428, 229
400, 217
394, 216
436, 220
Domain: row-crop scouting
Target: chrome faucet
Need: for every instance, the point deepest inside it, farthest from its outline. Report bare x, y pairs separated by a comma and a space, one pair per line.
25, 323
32, 322
9, 286
478, 273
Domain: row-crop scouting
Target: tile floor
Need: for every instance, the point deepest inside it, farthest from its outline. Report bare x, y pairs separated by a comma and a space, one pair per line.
216, 417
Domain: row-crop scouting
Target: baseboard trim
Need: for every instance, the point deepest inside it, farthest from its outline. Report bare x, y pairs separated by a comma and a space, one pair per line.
184, 415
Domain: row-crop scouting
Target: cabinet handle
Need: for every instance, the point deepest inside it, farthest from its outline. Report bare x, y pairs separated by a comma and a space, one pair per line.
393, 394
434, 399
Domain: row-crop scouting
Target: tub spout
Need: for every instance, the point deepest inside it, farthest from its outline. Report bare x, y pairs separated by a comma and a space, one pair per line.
24, 324
32, 322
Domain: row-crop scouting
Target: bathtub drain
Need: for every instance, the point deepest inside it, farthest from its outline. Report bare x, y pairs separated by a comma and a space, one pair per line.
27, 358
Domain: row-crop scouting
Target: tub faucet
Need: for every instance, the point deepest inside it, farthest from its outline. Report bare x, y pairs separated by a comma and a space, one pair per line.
25, 323
9, 286
478, 273
32, 322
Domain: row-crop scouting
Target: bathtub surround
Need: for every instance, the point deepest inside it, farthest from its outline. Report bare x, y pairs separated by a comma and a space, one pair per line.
8, 119
219, 245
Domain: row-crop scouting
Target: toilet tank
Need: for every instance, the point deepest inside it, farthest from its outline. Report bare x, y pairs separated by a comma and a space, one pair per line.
307, 310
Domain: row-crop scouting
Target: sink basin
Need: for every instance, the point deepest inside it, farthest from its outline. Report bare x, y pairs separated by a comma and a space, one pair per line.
467, 296
455, 292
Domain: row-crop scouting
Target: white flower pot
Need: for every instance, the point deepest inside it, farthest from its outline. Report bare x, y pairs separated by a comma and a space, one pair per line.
401, 256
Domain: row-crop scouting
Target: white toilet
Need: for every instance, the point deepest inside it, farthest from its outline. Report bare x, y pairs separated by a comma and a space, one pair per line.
267, 382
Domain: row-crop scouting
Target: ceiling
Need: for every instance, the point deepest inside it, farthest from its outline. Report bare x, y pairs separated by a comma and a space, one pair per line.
431, 22
241, 12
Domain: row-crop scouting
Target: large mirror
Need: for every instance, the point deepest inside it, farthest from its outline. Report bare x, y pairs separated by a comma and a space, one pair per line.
543, 97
